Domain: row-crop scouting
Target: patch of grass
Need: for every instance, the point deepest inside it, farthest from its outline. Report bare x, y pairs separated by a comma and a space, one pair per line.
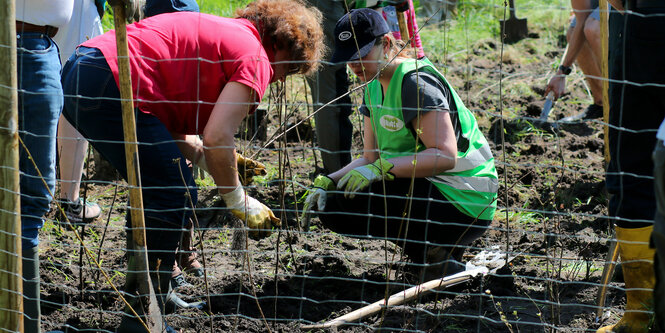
224, 8
205, 182
519, 217
480, 20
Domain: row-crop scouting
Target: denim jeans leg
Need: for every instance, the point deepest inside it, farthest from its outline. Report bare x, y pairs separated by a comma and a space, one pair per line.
97, 115
40, 102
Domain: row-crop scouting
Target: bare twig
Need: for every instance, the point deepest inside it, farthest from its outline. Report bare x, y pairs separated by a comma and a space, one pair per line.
398, 299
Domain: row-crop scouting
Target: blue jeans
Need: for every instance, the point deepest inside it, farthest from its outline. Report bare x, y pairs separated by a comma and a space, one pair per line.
164, 175
39, 106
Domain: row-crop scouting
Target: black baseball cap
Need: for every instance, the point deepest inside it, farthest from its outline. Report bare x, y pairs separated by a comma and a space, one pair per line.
368, 24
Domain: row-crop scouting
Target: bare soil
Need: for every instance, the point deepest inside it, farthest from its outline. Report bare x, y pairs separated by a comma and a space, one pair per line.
552, 184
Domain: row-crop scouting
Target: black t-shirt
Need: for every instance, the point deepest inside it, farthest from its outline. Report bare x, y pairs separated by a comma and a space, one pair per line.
423, 90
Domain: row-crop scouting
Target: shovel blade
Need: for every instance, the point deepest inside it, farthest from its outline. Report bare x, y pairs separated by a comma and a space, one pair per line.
513, 30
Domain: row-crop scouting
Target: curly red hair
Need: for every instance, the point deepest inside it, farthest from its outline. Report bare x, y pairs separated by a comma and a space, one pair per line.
292, 26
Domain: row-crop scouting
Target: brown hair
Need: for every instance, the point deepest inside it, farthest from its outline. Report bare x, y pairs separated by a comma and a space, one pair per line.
397, 48
292, 26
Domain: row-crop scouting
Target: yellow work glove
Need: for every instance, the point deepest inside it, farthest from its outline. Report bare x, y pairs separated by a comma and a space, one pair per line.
316, 198
362, 177
258, 217
248, 168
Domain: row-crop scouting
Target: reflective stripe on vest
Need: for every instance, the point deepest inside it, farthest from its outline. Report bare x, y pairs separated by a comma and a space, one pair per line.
478, 184
473, 159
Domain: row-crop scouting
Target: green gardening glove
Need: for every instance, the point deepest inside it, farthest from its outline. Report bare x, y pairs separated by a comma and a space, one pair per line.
362, 177
316, 198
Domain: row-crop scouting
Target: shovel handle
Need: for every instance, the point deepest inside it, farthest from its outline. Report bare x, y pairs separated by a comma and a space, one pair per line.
511, 3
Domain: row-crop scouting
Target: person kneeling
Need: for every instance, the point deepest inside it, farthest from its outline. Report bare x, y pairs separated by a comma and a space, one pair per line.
427, 179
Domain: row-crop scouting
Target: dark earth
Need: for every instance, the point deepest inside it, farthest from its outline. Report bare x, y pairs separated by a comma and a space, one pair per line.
552, 194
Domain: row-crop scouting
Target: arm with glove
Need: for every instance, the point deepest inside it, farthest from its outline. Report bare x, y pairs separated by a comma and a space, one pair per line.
222, 161
436, 133
193, 150
317, 195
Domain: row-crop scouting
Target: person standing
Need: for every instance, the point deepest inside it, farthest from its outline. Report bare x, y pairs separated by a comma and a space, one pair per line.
438, 10
40, 101
333, 126
72, 147
583, 47
637, 97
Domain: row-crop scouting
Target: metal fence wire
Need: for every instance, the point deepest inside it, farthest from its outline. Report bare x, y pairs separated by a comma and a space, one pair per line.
544, 262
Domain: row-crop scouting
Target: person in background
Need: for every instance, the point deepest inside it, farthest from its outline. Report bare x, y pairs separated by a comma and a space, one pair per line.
189, 80
333, 126
637, 106
40, 101
72, 147
156, 7
583, 47
422, 150
438, 10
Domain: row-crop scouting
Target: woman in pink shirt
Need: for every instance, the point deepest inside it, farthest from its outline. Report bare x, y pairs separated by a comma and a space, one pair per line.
192, 74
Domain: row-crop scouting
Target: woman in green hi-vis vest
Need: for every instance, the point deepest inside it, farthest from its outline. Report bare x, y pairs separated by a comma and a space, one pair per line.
426, 179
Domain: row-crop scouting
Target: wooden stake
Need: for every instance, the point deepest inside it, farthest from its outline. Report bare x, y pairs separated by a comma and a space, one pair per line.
11, 299
403, 30
398, 299
613, 253
138, 268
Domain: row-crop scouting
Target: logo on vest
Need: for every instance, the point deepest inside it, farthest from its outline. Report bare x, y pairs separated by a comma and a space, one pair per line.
391, 123
344, 35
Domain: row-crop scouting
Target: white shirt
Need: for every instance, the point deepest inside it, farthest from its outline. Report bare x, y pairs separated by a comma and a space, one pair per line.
55, 13
85, 24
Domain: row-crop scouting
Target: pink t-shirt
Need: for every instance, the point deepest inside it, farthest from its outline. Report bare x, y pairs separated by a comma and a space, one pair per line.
180, 63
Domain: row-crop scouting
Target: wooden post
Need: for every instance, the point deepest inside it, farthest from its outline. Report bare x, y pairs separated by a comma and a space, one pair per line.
139, 263
11, 286
613, 253
403, 30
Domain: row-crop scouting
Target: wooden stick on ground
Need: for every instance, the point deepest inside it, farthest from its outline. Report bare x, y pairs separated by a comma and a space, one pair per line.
608, 271
137, 267
399, 298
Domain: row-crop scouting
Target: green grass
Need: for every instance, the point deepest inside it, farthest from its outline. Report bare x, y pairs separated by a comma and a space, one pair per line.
224, 8
479, 21
519, 217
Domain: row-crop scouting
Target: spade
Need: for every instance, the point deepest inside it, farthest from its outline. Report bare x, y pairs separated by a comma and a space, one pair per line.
513, 29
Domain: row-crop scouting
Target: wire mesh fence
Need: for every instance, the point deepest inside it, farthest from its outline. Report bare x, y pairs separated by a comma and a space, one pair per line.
536, 265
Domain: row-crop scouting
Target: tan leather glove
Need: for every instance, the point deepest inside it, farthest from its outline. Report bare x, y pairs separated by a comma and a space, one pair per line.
248, 168
257, 216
